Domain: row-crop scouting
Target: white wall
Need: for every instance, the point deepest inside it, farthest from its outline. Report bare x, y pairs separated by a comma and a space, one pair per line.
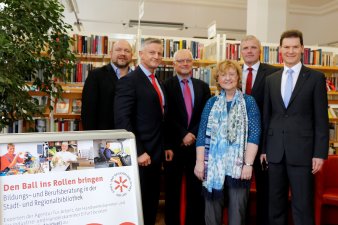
107, 17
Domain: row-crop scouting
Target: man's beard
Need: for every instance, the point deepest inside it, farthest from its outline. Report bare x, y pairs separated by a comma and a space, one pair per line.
121, 65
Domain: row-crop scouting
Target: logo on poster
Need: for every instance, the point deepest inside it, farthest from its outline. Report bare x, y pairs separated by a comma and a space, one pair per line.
120, 184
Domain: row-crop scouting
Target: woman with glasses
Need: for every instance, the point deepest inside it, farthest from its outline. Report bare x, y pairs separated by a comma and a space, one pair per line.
226, 147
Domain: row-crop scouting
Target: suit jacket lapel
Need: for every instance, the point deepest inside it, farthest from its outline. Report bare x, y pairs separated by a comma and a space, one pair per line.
278, 85
180, 97
259, 77
196, 95
303, 75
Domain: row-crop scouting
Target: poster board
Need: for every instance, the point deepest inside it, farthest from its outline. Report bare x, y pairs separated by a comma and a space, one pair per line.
75, 178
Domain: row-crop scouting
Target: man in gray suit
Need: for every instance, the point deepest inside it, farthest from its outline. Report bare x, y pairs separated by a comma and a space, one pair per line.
296, 133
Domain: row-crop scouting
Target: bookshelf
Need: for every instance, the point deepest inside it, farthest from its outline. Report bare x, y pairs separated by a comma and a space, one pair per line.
66, 112
93, 51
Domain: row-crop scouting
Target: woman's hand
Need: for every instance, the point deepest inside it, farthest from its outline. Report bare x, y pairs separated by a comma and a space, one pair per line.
246, 172
199, 170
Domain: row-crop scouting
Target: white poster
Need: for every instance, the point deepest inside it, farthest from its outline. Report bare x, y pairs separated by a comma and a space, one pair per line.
77, 182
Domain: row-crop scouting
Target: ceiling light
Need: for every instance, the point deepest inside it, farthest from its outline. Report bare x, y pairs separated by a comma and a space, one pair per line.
157, 24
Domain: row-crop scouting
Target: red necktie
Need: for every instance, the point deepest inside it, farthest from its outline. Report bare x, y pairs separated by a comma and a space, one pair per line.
187, 99
157, 89
248, 86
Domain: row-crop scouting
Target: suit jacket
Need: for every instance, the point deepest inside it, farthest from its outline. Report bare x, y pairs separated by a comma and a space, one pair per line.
138, 109
264, 70
98, 99
299, 131
177, 118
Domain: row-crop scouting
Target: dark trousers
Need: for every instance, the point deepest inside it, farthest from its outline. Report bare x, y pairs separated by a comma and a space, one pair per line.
183, 164
261, 179
150, 191
300, 179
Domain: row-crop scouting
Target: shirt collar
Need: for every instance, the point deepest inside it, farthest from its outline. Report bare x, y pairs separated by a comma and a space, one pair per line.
296, 68
254, 67
145, 71
117, 70
180, 78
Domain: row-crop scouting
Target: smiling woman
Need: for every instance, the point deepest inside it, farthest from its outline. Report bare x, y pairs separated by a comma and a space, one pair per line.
227, 144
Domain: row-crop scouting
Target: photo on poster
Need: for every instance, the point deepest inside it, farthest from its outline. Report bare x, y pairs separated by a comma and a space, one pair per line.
54, 156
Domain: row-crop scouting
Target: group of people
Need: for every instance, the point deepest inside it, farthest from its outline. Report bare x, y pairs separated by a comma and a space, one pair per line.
266, 120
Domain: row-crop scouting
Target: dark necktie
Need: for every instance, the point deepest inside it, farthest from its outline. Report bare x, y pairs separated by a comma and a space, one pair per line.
187, 99
157, 89
248, 86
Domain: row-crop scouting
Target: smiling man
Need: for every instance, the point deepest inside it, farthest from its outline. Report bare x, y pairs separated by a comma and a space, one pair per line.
140, 107
98, 93
296, 133
186, 99
254, 75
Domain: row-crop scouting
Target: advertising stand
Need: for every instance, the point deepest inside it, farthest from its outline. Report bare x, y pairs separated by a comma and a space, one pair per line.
75, 178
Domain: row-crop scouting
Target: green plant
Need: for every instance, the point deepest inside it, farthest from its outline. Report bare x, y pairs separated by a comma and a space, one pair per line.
34, 45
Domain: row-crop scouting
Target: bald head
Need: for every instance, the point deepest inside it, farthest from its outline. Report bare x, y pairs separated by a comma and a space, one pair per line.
183, 62
121, 54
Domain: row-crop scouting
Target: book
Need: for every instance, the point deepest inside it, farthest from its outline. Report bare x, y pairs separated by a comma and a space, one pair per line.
62, 106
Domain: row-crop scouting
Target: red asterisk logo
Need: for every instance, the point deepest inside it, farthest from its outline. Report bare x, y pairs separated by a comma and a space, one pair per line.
120, 183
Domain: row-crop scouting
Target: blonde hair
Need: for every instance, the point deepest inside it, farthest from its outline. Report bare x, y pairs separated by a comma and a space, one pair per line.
223, 67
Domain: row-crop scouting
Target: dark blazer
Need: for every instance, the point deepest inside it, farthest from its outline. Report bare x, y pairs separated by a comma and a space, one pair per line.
299, 131
98, 99
264, 70
137, 109
177, 118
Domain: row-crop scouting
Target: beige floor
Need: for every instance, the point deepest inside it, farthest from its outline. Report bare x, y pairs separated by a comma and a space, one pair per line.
160, 214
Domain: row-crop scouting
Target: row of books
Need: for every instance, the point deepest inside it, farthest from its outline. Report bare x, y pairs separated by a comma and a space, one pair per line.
332, 82
61, 125
42, 125
80, 72
333, 131
164, 72
203, 74
100, 45
94, 44
271, 55
170, 46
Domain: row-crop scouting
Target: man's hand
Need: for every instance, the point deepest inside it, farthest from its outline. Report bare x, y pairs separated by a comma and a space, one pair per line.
188, 139
317, 164
169, 154
262, 158
144, 159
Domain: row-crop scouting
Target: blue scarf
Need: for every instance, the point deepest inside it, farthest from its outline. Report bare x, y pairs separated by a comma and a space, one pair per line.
226, 138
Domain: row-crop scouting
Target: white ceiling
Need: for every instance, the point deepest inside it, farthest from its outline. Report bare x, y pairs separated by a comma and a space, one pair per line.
112, 16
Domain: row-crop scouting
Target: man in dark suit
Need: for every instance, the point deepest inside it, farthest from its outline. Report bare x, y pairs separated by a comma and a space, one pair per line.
296, 133
140, 108
182, 128
98, 93
253, 84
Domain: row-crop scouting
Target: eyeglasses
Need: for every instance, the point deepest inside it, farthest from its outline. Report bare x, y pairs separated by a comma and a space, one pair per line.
181, 61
